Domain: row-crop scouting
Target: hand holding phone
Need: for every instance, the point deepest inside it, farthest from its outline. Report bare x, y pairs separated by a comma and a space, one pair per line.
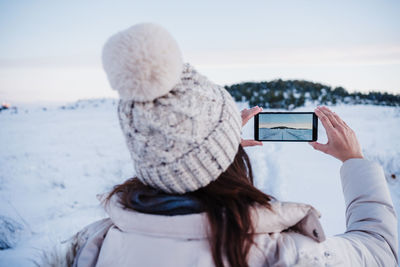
246, 115
342, 141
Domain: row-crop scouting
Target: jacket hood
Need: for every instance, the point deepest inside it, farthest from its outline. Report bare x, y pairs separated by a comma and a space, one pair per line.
299, 217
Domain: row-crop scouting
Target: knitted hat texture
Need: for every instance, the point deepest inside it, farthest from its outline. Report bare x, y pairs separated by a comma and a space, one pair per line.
182, 136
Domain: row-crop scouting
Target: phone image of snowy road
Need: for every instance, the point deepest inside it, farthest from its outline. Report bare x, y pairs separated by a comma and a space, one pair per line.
278, 127
285, 134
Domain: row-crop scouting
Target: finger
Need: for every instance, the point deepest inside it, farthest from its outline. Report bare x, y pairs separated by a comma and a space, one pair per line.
245, 143
243, 110
254, 111
249, 110
247, 114
342, 122
346, 124
341, 125
324, 119
338, 119
330, 115
243, 114
319, 146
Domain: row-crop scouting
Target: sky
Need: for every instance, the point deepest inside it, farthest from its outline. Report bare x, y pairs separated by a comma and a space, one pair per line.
303, 121
50, 51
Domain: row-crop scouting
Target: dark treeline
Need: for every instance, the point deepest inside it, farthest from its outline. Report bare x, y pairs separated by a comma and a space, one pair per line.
295, 93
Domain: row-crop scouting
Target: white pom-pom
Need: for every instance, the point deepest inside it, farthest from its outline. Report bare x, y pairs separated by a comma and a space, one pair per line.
142, 62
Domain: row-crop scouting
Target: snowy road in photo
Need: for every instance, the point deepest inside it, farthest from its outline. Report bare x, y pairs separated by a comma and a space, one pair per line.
285, 134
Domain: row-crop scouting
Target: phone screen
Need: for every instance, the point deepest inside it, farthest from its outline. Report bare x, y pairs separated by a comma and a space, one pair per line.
286, 126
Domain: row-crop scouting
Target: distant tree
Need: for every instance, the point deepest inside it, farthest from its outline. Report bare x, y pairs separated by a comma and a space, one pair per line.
294, 93
340, 92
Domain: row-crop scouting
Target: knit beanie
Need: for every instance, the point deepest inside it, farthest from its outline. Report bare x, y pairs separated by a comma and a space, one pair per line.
182, 130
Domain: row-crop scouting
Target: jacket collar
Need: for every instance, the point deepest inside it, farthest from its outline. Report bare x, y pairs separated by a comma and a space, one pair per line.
299, 217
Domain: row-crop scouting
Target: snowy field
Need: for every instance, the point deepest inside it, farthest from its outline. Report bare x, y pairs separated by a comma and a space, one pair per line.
55, 160
284, 134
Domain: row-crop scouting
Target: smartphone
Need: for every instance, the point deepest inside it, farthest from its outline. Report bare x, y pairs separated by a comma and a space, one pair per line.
286, 126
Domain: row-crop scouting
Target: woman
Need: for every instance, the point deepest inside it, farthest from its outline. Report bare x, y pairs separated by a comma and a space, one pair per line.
192, 202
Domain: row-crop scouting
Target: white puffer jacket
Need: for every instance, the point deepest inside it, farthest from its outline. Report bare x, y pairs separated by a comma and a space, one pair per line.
131, 238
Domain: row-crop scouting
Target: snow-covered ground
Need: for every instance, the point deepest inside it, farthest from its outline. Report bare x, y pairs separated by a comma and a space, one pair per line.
285, 134
53, 162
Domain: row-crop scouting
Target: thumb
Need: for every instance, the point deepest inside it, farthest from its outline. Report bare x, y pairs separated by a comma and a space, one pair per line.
245, 143
319, 146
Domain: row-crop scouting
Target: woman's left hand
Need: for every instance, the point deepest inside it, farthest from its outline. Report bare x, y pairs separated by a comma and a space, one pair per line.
247, 114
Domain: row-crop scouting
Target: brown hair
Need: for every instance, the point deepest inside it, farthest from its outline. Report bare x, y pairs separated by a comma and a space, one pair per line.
227, 202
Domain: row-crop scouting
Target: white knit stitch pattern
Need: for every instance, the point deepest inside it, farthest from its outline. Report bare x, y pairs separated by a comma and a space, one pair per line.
185, 139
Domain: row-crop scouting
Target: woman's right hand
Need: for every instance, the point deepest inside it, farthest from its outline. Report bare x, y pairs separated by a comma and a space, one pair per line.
342, 141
